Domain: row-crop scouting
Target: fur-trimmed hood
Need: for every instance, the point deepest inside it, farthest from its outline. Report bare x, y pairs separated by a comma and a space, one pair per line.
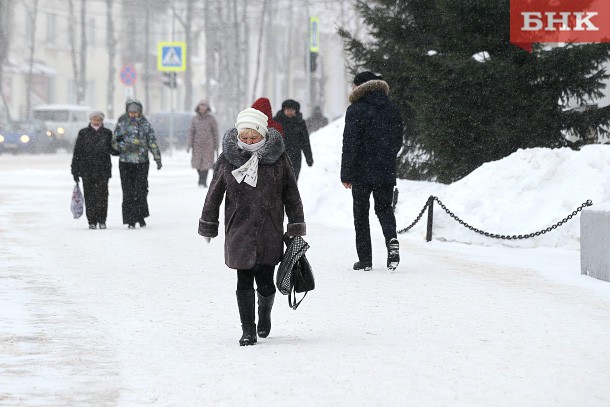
368, 87
268, 154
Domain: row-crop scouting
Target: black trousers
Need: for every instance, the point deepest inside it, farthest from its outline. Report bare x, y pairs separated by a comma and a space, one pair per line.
203, 177
264, 279
134, 182
296, 159
382, 194
95, 192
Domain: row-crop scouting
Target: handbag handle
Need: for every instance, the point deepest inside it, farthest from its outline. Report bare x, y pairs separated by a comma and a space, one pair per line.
296, 304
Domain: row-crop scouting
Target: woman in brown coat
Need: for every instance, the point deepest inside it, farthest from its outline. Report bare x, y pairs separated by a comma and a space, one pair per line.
255, 176
203, 140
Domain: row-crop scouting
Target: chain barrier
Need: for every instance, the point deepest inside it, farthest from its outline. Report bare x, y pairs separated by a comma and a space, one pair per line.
430, 202
421, 213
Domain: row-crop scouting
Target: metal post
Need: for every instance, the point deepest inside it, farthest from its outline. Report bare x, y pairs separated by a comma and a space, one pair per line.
171, 91
430, 218
171, 116
308, 70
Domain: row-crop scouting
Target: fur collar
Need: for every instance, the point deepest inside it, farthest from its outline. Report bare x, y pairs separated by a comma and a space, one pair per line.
268, 154
367, 87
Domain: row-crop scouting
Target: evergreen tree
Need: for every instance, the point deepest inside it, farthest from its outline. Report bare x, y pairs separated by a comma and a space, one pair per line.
467, 95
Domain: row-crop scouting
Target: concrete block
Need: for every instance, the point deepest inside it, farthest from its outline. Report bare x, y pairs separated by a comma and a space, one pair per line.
595, 241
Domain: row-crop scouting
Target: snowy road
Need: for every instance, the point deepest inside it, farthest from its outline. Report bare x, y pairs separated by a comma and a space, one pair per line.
148, 316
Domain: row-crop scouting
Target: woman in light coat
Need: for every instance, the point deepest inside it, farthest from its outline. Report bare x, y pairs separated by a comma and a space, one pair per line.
256, 180
203, 140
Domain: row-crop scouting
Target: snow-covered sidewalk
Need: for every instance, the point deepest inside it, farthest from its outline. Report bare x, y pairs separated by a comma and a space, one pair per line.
149, 317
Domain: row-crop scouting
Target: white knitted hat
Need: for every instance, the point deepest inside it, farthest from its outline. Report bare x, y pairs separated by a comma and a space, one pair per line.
252, 119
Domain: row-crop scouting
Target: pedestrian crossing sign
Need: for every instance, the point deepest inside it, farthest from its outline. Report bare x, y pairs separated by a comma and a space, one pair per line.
171, 56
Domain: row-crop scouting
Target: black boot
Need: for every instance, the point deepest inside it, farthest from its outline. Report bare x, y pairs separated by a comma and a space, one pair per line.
363, 265
393, 254
245, 303
264, 314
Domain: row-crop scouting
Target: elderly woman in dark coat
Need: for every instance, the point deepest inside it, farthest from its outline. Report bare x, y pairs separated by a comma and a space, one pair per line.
257, 178
91, 162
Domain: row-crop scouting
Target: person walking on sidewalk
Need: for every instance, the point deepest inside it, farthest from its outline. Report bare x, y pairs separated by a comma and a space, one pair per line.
134, 137
91, 162
256, 179
296, 136
372, 138
203, 140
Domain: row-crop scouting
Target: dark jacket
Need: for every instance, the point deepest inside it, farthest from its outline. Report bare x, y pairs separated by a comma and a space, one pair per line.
91, 158
296, 137
372, 137
254, 216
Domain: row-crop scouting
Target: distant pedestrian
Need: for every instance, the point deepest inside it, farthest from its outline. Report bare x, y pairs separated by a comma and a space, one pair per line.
255, 178
296, 136
372, 138
203, 139
264, 105
316, 121
134, 137
91, 162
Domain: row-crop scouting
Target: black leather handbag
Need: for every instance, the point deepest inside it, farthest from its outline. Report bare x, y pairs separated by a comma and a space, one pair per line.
294, 274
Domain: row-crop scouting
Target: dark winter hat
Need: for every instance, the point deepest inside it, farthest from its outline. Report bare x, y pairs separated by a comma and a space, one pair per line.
291, 104
366, 76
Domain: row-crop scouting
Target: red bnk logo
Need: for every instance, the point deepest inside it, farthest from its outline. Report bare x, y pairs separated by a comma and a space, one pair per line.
558, 21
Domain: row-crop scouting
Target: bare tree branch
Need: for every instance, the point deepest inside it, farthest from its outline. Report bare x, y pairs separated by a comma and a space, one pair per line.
82, 83
260, 48
32, 15
111, 46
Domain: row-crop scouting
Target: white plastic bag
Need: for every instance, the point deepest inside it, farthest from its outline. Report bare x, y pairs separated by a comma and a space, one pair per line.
77, 202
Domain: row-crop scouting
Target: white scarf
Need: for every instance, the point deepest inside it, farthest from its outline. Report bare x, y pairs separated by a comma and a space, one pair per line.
248, 172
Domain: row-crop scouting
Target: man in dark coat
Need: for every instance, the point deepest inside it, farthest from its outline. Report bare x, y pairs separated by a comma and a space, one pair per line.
372, 138
91, 162
296, 136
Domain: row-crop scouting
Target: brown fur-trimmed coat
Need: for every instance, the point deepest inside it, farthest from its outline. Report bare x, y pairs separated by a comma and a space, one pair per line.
254, 216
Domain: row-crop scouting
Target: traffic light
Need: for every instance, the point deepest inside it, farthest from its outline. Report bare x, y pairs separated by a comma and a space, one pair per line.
169, 79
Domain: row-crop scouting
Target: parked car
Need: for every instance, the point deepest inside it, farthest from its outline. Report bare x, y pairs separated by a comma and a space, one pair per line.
160, 123
63, 121
26, 136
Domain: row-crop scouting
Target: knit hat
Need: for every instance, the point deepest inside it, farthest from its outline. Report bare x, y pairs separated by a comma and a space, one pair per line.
252, 119
134, 106
366, 76
291, 104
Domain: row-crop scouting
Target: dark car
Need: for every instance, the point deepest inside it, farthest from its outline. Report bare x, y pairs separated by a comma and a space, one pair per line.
161, 122
26, 136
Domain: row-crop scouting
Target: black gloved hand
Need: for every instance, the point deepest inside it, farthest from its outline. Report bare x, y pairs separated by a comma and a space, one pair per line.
76, 178
310, 162
159, 165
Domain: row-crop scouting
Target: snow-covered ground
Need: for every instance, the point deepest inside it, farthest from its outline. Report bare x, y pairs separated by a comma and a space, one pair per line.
148, 316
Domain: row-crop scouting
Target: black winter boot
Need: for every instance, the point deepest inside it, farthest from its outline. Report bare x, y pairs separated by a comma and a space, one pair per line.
363, 265
245, 303
264, 314
393, 254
